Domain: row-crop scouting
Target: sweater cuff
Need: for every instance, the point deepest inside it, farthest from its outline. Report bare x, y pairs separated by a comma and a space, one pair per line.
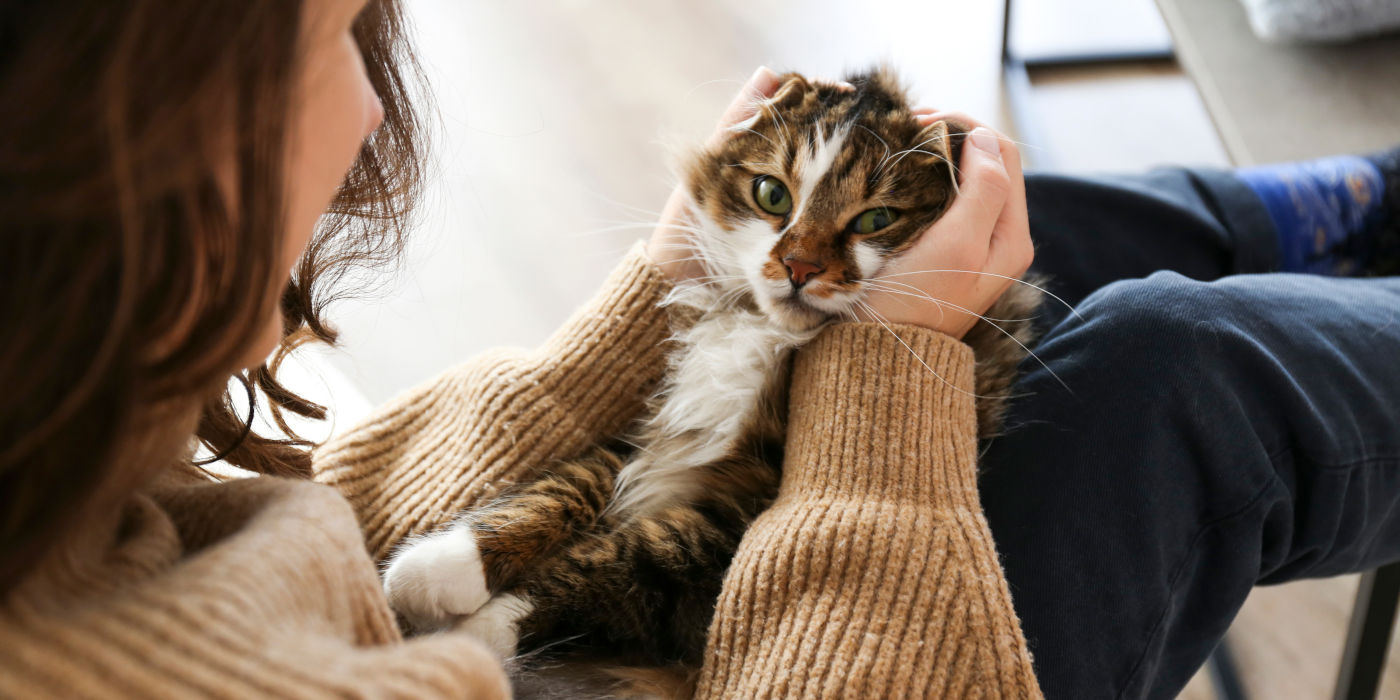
875, 415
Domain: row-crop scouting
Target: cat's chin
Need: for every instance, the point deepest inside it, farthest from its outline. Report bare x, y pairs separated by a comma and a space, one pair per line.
793, 315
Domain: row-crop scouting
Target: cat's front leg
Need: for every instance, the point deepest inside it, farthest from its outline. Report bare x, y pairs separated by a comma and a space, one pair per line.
435, 580
645, 588
499, 621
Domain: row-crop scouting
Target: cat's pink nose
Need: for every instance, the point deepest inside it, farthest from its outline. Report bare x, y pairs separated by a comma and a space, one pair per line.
799, 271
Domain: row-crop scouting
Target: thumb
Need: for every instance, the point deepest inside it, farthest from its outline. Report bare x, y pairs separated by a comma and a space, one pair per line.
760, 86
983, 188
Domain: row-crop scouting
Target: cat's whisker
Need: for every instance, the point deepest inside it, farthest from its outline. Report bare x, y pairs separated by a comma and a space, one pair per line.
707, 277
940, 156
627, 227
880, 320
917, 149
541, 653
954, 174
652, 215
1019, 144
882, 141
781, 121
718, 277
905, 154
993, 324
1003, 137
1017, 280
891, 290
953, 177
689, 93
732, 295
688, 245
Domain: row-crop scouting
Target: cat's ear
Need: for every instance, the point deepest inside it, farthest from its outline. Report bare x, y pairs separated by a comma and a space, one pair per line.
791, 92
943, 139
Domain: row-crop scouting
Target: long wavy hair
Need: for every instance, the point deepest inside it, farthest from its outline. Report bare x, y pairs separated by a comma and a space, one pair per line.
114, 233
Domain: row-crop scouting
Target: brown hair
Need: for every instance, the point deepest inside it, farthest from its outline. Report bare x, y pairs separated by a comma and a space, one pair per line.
116, 233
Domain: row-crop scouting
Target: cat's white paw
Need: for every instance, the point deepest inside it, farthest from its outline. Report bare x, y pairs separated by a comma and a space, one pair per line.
497, 623
437, 579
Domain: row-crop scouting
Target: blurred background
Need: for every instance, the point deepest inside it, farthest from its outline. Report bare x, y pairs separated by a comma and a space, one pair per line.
555, 120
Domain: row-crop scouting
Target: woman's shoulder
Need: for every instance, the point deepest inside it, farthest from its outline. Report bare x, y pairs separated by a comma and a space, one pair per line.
196, 566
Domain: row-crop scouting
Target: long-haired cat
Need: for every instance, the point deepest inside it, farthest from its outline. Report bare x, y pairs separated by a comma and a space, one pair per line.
616, 557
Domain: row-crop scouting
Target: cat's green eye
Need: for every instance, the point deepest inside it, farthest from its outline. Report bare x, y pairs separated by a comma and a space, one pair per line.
772, 196
873, 220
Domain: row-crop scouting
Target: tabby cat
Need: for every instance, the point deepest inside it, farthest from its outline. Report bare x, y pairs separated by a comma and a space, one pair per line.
617, 556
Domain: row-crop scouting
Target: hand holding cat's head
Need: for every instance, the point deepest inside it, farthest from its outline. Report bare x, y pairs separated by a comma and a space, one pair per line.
796, 206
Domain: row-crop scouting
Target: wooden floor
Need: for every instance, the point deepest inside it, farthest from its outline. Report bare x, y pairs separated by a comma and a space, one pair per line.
551, 159
1288, 642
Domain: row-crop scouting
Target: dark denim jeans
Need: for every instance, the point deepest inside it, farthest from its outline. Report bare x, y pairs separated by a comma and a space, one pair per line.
1223, 426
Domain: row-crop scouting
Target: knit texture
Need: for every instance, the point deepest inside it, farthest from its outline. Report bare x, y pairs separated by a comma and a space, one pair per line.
434, 451
873, 575
257, 588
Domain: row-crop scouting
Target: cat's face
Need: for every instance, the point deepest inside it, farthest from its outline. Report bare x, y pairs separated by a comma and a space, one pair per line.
801, 204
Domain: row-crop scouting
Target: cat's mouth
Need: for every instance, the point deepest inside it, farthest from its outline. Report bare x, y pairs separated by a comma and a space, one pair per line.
800, 307
799, 310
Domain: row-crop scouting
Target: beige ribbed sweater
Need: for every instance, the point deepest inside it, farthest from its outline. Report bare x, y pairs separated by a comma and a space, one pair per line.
873, 575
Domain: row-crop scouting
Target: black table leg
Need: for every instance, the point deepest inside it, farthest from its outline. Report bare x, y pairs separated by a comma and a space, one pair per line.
1224, 674
1368, 639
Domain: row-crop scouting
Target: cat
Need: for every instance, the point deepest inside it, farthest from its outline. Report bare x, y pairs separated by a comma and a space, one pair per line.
616, 557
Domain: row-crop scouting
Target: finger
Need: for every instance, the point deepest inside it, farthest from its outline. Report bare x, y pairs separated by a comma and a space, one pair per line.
1010, 153
984, 189
920, 111
959, 117
760, 86
1010, 250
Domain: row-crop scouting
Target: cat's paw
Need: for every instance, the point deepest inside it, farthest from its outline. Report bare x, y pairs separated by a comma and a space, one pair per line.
437, 579
497, 623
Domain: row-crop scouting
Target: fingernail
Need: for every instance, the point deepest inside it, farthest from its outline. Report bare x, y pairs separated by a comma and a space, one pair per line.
986, 140
844, 85
763, 75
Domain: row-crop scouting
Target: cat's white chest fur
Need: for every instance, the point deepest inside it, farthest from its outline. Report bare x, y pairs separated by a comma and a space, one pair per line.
719, 374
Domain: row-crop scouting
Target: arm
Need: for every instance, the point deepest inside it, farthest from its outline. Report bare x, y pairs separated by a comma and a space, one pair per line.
874, 573
420, 459
434, 451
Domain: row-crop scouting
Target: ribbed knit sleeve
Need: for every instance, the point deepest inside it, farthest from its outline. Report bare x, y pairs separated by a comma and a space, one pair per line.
874, 574
258, 588
425, 456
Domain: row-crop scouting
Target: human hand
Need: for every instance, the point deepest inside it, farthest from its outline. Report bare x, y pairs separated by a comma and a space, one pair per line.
669, 246
968, 258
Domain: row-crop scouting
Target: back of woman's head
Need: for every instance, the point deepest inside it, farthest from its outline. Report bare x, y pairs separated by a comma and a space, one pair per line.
142, 211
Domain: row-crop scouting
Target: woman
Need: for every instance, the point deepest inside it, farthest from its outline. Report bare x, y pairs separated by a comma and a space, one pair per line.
168, 168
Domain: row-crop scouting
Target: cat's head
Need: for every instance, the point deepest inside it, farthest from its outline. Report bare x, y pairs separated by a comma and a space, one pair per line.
797, 206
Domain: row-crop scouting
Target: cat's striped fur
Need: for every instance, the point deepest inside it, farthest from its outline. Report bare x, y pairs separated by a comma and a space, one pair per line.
616, 558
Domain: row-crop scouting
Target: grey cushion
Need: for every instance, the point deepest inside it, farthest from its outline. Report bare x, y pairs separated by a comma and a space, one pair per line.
1321, 20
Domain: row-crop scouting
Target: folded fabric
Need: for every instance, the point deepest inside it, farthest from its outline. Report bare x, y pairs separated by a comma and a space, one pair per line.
1321, 20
